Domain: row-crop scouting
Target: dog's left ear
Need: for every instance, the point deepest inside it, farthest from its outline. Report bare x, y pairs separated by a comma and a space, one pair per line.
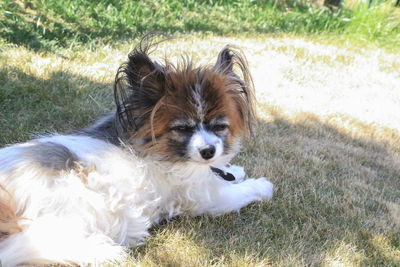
232, 63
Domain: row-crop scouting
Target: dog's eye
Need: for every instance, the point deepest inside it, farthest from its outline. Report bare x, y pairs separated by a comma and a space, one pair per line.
219, 127
183, 128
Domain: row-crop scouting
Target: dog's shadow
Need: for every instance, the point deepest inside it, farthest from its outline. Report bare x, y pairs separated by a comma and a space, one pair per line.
335, 197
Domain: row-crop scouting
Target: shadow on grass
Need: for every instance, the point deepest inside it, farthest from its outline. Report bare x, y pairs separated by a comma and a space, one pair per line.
336, 201
32, 106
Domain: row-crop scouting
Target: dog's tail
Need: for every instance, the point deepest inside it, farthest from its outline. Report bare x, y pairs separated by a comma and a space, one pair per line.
8, 215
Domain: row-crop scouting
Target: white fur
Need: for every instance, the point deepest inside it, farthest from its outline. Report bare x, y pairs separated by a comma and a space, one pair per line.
236, 171
71, 221
201, 139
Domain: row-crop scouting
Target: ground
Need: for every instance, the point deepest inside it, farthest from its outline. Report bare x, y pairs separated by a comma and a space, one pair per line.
327, 137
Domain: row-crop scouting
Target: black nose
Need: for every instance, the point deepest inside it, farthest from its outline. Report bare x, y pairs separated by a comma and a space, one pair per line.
208, 152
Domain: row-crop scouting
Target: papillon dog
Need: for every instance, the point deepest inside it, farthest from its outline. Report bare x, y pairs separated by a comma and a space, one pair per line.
86, 197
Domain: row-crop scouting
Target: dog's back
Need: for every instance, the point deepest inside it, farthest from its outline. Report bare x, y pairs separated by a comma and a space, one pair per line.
51, 211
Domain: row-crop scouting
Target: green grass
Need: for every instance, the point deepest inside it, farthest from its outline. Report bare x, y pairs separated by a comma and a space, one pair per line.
375, 23
50, 23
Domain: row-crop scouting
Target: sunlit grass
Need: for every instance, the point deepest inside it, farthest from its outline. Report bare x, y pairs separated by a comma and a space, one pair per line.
374, 22
328, 138
49, 24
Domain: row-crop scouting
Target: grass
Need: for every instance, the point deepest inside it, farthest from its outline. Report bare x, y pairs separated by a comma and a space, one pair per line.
328, 138
48, 24
328, 108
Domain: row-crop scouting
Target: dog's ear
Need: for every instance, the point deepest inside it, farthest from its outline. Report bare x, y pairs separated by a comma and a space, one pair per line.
225, 60
139, 85
232, 63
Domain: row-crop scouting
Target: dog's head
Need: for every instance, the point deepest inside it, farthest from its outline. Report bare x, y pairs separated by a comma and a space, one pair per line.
184, 113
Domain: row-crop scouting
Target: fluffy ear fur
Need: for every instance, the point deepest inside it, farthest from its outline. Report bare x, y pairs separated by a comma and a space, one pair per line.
232, 62
139, 85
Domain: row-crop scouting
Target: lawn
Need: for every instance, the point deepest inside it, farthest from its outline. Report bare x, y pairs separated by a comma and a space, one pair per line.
328, 133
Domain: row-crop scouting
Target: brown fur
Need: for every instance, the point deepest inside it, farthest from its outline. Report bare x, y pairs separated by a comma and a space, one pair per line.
219, 102
8, 217
149, 96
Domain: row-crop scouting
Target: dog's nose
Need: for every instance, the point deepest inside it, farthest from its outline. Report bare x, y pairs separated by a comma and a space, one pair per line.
208, 152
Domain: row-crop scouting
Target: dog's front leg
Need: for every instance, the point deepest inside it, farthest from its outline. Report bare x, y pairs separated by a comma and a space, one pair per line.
233, 196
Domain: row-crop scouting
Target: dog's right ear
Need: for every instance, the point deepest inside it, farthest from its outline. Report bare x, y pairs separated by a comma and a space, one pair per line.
232, 63
139, 85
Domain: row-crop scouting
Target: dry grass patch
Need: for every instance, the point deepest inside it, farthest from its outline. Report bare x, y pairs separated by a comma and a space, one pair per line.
328, 137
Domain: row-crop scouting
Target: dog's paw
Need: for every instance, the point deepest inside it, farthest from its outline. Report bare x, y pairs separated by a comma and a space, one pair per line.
237, 172
262, 187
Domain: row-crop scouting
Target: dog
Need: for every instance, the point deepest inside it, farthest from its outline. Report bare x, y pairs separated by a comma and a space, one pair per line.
86, 197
